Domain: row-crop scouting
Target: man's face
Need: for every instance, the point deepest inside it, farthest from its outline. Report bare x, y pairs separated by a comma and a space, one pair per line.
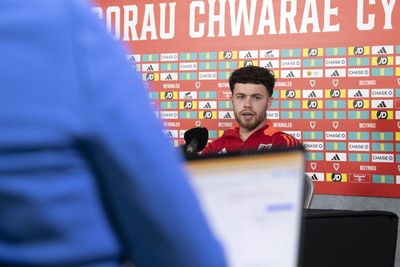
250, 103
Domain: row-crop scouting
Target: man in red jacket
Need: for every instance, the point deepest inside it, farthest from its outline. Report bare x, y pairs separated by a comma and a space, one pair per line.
252, 89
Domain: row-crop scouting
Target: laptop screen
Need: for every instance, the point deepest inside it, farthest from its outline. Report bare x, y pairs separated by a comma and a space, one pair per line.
253, 204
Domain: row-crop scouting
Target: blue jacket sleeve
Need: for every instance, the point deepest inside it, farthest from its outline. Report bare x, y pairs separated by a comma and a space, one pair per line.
142, 180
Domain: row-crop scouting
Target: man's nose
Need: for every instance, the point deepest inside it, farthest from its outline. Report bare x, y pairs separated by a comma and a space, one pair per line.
247, 102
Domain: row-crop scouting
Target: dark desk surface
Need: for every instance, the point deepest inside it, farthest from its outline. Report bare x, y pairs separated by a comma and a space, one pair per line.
348, 238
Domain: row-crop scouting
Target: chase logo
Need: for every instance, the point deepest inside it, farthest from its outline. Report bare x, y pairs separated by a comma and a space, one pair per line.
335, 62
361, 72
169, 57
388, 158
295, 63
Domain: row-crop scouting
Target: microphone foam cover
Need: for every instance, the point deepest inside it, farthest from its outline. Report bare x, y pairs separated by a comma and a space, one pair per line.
199, 133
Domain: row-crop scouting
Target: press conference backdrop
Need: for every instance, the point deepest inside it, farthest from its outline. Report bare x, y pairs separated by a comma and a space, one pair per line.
337, 64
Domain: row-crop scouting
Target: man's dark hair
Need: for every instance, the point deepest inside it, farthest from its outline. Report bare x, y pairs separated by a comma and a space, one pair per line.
254, 75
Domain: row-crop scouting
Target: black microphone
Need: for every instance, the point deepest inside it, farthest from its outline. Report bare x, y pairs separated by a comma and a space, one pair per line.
196, 139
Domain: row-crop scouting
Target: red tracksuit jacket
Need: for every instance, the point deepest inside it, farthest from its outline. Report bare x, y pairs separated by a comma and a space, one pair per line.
264, 138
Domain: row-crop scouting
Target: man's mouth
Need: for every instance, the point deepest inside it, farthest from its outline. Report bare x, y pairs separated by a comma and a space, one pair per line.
247, 114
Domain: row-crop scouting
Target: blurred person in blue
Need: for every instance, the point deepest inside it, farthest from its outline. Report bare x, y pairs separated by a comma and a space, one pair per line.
86, 176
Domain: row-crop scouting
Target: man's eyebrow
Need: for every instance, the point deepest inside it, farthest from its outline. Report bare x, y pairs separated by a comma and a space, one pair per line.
240, 93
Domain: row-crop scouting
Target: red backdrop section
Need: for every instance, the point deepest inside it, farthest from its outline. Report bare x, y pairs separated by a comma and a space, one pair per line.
337, 64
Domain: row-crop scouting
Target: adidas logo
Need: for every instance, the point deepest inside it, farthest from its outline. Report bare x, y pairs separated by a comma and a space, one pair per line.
227, 116
207, 105
358, 94
336, 157
313, 94
248, 55
335, 74
269, 64
169, 77
382, 105
382, 51
290, 75
150, 68
314, 177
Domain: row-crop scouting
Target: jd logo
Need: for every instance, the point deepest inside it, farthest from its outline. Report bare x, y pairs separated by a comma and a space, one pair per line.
335, 93
188, 105
169, 95
228, 55
336, 177
207, 115
312, 104
358, 50
358, 103
312, 52
382, 115
150, 77
290, 94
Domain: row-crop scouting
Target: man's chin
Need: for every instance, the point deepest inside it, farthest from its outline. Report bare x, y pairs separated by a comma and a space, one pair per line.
248, 125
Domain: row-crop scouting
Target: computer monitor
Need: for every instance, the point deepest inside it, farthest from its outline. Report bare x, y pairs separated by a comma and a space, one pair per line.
254, 204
